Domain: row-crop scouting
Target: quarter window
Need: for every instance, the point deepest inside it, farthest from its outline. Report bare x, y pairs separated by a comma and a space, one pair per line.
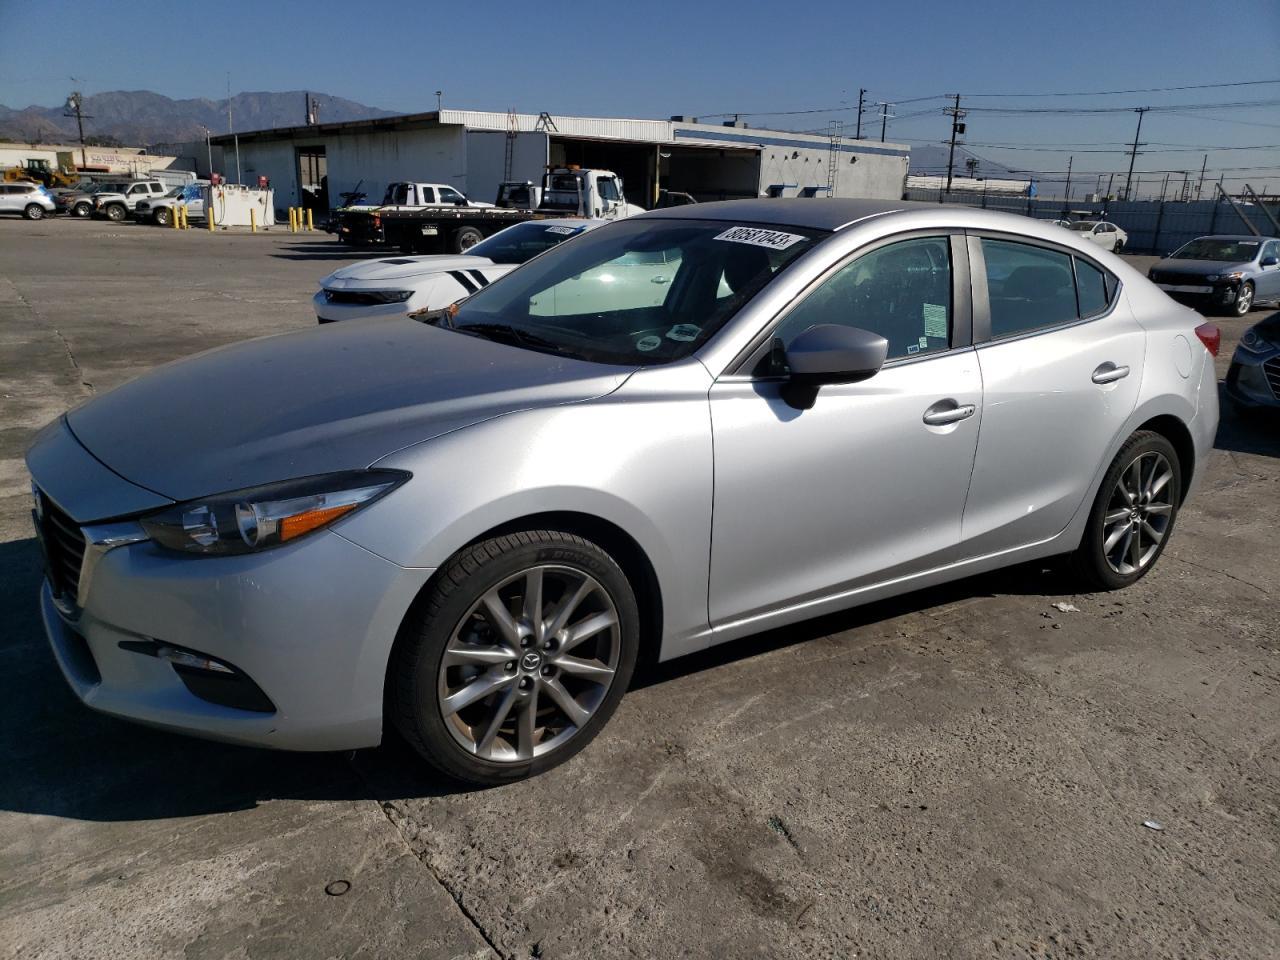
901, 291
1028, 288
1091, 288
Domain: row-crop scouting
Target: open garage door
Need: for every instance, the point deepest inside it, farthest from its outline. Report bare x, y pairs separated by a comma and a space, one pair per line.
706, 173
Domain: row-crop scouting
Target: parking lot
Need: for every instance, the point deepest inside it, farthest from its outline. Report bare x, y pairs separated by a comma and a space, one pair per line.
962, 772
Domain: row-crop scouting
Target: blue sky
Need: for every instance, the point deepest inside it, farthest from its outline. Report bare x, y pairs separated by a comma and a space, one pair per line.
658, 58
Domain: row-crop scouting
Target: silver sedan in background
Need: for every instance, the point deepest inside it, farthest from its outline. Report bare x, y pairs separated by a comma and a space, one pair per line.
470, 527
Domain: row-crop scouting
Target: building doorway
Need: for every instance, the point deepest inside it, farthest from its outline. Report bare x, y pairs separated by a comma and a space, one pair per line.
313, 179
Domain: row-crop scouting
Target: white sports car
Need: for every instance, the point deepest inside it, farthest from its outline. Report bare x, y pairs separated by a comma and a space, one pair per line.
399, 286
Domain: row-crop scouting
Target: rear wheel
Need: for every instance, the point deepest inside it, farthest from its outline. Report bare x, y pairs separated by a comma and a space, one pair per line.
1133, 513
82, 210
517, 657
1119, 245
466, 238
33, 211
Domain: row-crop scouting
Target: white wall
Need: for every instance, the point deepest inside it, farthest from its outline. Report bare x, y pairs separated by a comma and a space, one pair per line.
486, 161
869, 175
434, 155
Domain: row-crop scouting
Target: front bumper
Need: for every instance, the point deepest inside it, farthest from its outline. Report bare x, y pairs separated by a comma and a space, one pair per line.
1253, 379
310, 625
328, 312
1216, 295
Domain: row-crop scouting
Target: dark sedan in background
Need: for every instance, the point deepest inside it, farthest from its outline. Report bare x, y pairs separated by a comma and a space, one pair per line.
1226, 274
1253, 379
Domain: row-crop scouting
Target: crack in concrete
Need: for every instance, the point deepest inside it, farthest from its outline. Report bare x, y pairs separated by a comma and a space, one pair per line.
386, 807
66, 344
1230, 576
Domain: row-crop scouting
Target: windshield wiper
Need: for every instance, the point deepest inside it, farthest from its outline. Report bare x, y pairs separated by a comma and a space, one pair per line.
506, 333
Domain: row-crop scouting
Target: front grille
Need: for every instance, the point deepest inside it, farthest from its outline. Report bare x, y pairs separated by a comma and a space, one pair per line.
64, 544
352, 297
1185, 279
1272, 369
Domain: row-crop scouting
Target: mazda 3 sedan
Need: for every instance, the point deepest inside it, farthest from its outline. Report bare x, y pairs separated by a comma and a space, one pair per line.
470, 527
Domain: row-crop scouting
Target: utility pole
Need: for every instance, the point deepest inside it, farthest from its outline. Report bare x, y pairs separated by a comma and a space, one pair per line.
957, 129
74, 104
1110, 180
439, 100
884, 118
1163, 187
1066, 195
1200, 185
1133, 153
862, 94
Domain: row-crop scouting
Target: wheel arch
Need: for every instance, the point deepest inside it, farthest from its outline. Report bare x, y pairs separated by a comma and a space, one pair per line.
1176, 432
607, 535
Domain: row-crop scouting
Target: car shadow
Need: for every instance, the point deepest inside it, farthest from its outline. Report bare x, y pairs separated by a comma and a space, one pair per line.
64, 760
1246, 431
330, 250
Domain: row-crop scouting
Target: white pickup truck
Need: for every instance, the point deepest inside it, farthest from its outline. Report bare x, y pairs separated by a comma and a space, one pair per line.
118, 206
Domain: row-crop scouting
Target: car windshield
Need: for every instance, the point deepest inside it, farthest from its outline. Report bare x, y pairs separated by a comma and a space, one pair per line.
637, 292
1084, 226
1216, 248
525, 241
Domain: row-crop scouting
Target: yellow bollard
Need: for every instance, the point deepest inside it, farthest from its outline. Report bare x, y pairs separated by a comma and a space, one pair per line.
253, 220
310, 224
208, 213
182, 212
173, 217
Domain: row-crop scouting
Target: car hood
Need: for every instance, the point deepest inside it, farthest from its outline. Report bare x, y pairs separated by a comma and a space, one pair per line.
1199, 267
339, 397
400, 268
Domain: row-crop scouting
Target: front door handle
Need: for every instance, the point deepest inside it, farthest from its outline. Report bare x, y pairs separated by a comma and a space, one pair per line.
1109, 373
940, 416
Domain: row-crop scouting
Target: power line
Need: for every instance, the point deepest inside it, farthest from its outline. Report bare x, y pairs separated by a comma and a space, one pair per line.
1167, 108
1112, 93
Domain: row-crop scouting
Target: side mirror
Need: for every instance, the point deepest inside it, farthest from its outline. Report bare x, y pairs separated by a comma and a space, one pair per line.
828, 354
1270, 261
460, 202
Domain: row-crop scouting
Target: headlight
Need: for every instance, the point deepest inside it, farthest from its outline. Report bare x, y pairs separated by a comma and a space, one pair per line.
259, 518
1237, 275
368, 296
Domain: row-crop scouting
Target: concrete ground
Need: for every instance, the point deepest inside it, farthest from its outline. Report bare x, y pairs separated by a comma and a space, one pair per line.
962, 772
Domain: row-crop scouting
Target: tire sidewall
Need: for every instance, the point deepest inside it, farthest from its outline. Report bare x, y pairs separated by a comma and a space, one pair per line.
82, 210
1252, 294
34, 212
116, 213
435, 629
1091, 557
466, 232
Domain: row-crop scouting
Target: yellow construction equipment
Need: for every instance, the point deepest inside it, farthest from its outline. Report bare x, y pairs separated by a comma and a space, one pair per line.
39, 170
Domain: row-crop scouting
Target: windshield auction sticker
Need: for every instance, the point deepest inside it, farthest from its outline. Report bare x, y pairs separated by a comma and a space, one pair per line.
773, 239
563, 231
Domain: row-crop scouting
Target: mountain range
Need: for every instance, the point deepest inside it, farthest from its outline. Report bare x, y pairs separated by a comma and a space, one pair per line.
143, 118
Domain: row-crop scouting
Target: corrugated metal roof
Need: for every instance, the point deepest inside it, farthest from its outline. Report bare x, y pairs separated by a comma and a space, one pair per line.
600, 128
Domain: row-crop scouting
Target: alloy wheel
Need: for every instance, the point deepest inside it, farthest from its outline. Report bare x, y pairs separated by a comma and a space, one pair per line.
529, 664
1138, 514
1244, 299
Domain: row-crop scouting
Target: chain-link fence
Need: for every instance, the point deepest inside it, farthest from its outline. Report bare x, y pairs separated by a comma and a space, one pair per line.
1154, 226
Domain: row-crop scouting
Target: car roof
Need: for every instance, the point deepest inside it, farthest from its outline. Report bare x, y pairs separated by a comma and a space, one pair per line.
1234, 237
818, 213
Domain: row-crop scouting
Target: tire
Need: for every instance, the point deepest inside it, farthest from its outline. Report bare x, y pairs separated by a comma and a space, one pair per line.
1244, 300
116, 213
1118, 247
465, 238
161, 216
513, 725
82, 210
1107, 558
33, 211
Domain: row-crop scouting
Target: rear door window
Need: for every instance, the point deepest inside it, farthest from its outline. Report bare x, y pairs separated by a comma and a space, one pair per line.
1028, 288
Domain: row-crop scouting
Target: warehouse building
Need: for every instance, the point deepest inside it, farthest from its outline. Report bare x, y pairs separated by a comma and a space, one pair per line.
475, 151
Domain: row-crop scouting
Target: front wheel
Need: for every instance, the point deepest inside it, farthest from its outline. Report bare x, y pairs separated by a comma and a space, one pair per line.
33, 212
517, 657
116, 213
1133, 513
161, 217
1244, 299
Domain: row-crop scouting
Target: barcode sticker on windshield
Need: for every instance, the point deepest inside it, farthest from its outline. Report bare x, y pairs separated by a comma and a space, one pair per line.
773, 239
563, 231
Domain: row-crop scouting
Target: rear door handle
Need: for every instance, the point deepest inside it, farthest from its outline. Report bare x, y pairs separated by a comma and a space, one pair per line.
939, 415
1109, 373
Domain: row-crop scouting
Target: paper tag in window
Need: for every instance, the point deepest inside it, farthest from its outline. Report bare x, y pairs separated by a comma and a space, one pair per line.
684, 332
924, 343
563, 231
773, 239
935, 320
648, 343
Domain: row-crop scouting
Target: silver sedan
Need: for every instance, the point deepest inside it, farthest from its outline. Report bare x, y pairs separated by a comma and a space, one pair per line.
471, 527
